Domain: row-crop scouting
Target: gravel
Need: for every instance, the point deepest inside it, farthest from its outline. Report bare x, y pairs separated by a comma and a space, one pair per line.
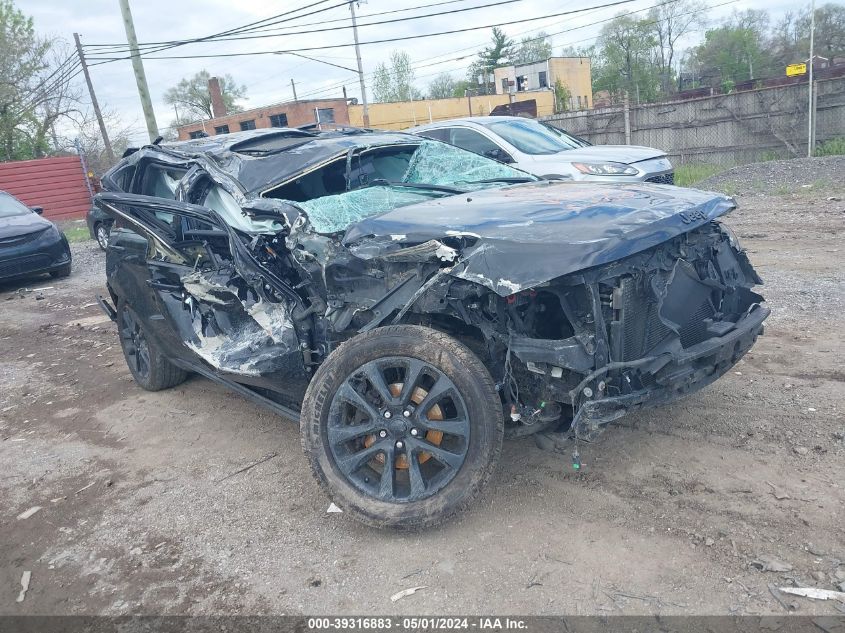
778, 176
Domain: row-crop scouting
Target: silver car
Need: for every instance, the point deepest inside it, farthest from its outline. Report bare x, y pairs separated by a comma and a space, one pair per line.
548, 152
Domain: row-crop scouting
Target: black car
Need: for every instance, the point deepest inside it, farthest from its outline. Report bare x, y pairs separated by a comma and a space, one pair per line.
99, 225
30, 244
412, 303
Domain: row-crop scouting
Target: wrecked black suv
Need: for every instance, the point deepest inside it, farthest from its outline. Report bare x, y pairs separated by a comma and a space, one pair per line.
413, 303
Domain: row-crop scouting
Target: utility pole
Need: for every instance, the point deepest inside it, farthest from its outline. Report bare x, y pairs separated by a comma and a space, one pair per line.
811, 110
293, 86
366, 116
138, 67
94, 103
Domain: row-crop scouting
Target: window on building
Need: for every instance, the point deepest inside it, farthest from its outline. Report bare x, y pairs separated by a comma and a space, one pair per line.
325, 115
250, 125
586, 103
221, 129
196, 134
279, 120
542, 79
579, 102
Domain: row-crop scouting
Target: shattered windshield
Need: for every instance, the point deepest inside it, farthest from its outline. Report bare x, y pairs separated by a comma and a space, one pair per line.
438, 168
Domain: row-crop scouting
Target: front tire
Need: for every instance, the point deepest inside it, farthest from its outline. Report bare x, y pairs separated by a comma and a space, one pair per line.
150, 369
402, 426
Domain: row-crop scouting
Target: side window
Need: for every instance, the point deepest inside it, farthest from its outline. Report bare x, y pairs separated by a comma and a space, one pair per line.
441, 134
474, 142
122, 179
160, 181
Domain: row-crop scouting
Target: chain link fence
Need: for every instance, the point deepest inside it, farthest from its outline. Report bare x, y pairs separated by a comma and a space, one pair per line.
721, 130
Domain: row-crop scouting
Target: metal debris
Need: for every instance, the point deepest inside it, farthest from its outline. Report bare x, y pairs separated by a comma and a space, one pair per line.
25, 578
266, 458
814, 593
28, 513
405, 592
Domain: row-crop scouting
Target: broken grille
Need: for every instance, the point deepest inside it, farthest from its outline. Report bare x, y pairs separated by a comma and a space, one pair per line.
687, 309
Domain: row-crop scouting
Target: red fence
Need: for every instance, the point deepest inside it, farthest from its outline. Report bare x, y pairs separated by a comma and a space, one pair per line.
57, 184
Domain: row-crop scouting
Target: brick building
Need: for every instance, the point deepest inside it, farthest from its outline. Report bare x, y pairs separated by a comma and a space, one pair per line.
288, 114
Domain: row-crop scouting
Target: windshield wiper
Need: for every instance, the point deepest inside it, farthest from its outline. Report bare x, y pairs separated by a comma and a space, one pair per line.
381, 182
513, 179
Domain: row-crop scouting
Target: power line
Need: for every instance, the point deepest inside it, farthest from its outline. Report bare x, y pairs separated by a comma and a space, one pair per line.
349, 26
241, 29
37, 95
387, 40
418, 66
122, 47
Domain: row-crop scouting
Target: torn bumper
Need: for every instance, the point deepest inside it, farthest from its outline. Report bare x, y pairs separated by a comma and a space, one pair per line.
669, 376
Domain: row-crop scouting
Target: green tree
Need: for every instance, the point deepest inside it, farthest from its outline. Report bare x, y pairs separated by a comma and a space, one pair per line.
442, 87
532, 49
562, 96
24, 82
193, 100
830, 30
395, 81
499, 53
736, 51
624, 59
461, 87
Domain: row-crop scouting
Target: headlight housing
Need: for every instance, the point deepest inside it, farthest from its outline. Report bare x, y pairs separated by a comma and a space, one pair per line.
605, 169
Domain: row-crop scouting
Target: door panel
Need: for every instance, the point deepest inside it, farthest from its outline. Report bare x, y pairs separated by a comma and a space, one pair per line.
198, 308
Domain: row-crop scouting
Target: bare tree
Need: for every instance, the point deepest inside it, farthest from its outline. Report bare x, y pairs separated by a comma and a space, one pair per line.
59, 98
672, 21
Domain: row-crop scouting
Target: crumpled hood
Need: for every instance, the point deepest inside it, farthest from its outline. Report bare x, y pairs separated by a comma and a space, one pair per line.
22, 225
525, 235
626, 154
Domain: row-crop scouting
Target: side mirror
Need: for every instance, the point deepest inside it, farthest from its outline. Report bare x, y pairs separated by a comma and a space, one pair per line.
38, 210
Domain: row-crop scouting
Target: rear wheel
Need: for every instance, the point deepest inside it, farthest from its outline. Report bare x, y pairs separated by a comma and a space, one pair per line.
149, 368
402, 426
101, 231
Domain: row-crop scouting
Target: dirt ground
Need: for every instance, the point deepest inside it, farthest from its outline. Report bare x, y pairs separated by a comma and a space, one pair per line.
143, 509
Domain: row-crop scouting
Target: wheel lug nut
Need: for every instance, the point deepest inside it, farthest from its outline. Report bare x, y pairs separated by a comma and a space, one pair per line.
414, 432
406, 413
387, 415
382, 433
399, 444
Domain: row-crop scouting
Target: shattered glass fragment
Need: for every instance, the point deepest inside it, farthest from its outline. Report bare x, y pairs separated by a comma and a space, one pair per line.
330, 214
437, 163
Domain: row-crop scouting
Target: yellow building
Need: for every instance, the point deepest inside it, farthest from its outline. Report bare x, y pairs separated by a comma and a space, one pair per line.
405, 114
573, 72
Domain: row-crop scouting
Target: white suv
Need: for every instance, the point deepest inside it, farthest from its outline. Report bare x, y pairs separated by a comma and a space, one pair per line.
548, 152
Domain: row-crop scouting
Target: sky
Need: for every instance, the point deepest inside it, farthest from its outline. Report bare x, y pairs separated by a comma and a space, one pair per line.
267, 76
